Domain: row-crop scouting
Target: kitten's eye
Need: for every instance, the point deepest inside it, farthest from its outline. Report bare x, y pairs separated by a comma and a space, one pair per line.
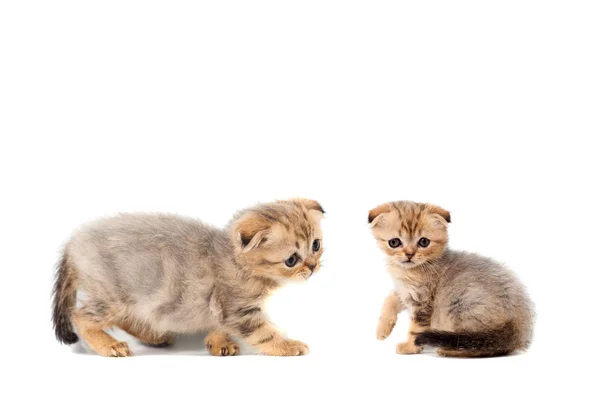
291, 260
316, 245
395, 242
423, 242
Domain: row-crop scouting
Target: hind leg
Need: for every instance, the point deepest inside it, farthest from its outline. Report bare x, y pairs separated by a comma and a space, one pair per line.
469, 353
450, 353
146, 335
90, 321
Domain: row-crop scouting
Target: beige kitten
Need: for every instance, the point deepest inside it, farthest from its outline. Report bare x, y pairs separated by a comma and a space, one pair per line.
464, 304
156, 275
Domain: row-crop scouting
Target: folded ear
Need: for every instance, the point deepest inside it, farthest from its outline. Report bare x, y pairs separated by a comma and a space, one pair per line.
377, 211
440, 211
311, 205
250, 231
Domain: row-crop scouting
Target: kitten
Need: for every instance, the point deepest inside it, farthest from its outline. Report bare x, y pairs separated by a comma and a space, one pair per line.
156, 275
462, 303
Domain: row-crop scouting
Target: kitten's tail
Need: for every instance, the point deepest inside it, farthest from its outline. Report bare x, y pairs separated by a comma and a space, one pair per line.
63, 301
495, 342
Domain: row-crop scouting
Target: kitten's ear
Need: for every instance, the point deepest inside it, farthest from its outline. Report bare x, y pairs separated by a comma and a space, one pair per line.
250, 231
311, 205
440, 211
377, 212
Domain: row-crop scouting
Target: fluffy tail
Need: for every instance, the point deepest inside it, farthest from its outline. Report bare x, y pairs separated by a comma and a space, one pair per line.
496, 342
63, 302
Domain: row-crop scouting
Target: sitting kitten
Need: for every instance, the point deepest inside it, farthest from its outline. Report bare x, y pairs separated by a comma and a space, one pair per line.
463, 304
155, 276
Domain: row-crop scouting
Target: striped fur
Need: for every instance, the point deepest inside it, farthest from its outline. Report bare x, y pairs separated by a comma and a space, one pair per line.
158, 275
464, 304
63, 301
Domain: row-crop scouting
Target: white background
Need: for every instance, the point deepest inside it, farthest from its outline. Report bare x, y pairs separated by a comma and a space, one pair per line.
489, 109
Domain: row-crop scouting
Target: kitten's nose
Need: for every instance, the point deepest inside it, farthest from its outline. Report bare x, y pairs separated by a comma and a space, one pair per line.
409, 255
311, 267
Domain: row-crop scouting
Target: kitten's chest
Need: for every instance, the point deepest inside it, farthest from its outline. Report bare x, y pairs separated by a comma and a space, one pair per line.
411, 293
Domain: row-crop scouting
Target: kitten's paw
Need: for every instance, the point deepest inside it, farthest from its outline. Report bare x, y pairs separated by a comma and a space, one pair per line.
120, 349
457, 353
297, 348
408, 348
445, 353
222, 348
287, 348
385, 327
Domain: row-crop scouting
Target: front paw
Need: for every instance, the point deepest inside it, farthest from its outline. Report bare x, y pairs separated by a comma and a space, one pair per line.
385, 327
287, 348
408, 348
119, 349
297, 348
222, 347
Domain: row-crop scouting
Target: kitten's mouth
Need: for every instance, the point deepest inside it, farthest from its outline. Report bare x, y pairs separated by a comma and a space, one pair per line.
307, 276
405, 263
408, 264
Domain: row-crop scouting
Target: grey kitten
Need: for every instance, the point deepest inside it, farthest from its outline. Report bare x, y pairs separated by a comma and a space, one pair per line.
464, 304
156, 275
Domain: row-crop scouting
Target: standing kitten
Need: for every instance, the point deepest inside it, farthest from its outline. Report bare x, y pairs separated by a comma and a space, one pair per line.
155, 276
462, 303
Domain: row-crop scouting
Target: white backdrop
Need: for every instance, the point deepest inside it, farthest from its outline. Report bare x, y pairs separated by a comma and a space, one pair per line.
487, 108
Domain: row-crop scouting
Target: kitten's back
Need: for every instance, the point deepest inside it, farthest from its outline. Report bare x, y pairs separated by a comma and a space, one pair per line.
484, 289
141, 250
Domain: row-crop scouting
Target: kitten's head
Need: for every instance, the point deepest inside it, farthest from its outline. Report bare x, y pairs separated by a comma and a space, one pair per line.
280, 240
410, 233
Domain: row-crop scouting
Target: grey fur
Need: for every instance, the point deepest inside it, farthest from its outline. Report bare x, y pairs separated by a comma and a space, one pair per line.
166, 270
477, 294
162, 274
465, 304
